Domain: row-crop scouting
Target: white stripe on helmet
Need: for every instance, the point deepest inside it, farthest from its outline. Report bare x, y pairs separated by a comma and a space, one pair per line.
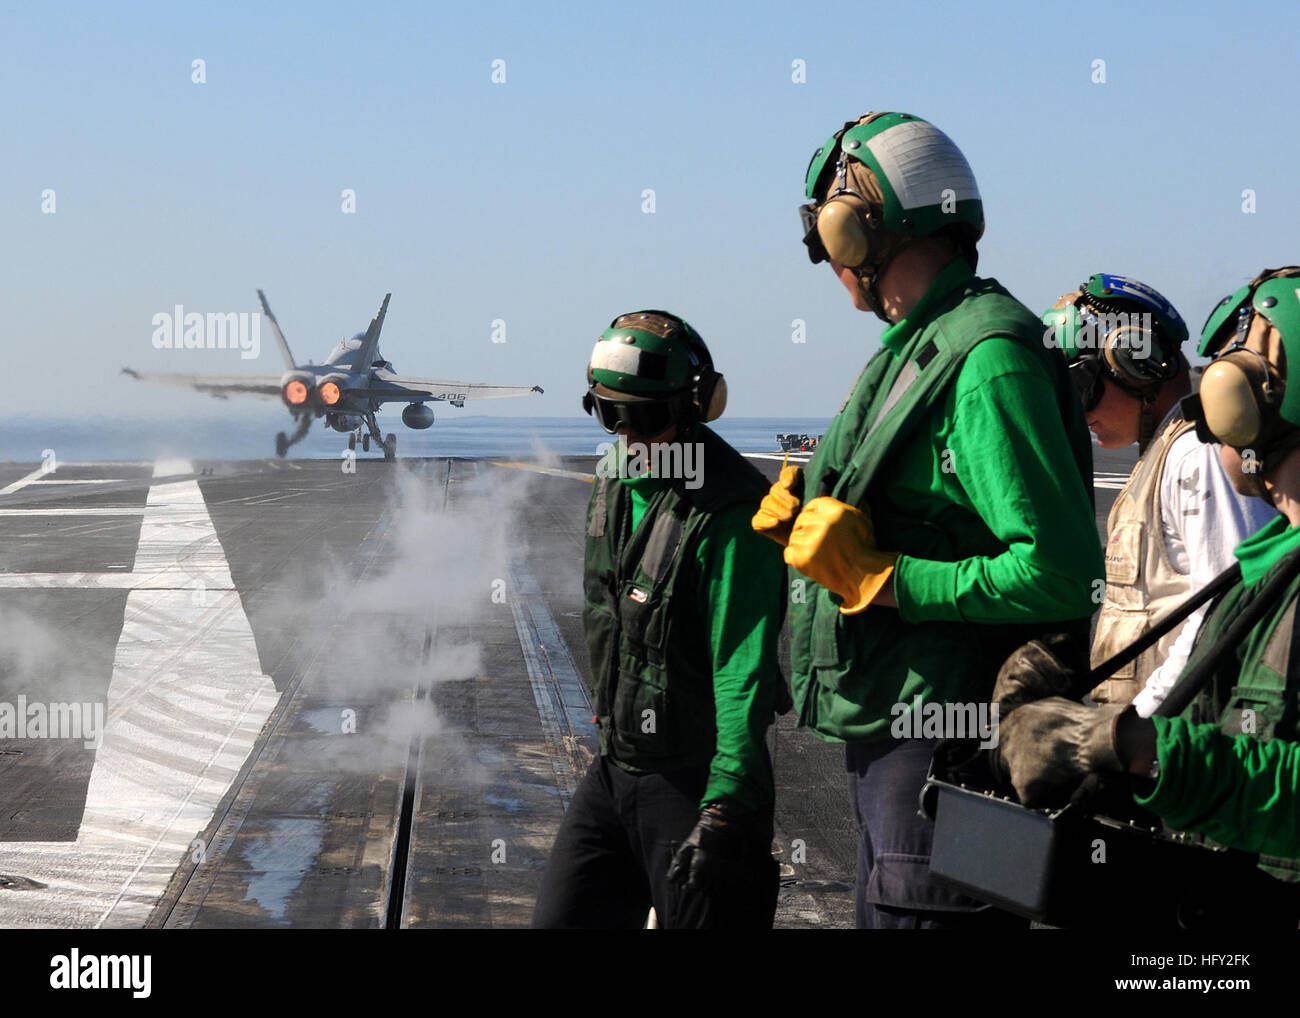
921, 162
616, 356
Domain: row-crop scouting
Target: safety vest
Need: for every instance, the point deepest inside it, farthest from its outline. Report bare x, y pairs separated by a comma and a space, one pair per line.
1256, 690
874, 659
647, 634
1141, 583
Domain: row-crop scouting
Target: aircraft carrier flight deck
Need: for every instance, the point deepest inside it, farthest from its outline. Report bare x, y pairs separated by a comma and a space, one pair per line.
272, 693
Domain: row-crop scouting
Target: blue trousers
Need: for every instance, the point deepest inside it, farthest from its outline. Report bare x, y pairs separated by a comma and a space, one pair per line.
894, 889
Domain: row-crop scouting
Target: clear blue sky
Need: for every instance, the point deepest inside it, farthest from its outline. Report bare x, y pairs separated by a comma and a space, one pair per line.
522, 201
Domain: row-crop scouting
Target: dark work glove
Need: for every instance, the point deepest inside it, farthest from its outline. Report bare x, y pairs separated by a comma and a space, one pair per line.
713, 844
1034, 672
1048, 747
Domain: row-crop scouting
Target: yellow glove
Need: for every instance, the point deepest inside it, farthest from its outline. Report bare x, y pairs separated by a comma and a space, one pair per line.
780, 506
835, 544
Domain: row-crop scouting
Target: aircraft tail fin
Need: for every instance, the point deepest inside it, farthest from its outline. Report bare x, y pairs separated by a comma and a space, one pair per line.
279, 336
366, 355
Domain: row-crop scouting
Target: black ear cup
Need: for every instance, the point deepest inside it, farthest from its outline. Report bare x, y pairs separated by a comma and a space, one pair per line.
712, 397
709, 394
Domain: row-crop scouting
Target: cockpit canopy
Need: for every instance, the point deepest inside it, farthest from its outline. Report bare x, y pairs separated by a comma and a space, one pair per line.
345, 350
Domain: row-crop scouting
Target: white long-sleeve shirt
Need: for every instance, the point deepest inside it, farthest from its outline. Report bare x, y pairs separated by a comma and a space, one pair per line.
1202, 518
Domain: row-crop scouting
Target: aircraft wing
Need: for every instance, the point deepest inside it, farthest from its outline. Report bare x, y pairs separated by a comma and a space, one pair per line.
391, 388
219, 386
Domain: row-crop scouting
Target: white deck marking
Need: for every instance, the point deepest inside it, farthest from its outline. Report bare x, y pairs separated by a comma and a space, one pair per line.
795, 457
551, 471
25, 480
185, 704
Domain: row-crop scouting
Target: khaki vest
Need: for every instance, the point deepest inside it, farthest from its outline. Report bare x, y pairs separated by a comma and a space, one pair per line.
1141, 582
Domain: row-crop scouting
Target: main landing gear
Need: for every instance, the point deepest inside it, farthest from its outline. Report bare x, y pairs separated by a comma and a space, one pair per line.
389, 444
365, 432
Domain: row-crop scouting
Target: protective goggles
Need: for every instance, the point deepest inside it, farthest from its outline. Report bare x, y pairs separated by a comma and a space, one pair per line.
1087, 373
808, 213
646, 418
812, 240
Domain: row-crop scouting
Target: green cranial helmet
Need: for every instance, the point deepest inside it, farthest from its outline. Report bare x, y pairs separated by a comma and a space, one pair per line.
1253, 336
650, 369
924, 181
878, 185
644, 355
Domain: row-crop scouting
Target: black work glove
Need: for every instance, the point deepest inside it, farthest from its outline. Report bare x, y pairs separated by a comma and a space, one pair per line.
713, 844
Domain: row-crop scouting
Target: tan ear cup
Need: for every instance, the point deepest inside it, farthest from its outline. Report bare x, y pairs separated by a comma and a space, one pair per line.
717, 401
840, 224
1231, 391
1127, 344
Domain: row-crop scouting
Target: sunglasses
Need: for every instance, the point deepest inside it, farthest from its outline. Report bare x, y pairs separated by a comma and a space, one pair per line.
645, 418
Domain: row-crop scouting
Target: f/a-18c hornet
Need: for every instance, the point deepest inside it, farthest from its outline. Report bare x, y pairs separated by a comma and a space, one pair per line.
353, 383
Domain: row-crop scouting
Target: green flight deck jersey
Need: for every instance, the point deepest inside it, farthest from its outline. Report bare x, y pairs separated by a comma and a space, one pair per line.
1230, 766
684, 607
965, 441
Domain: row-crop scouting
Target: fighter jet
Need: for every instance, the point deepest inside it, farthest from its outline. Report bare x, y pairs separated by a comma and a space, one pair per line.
347, 390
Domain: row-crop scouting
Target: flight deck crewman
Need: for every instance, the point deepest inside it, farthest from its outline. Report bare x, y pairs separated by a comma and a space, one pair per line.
1229, 766
1173, 526
684, 606
947, 512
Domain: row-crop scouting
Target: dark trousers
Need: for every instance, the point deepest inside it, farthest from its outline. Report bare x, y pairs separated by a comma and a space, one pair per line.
894, 889
610, 860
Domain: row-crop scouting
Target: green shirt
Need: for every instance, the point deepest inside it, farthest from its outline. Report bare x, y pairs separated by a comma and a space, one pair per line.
1240, 791
742, 579
1261, 550
985, 449
1237, 789
988, 504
